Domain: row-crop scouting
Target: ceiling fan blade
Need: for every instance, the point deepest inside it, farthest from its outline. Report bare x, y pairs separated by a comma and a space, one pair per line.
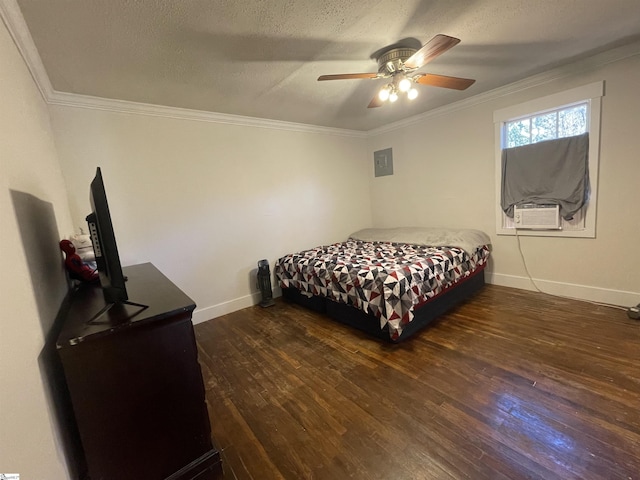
375, 102
430, 50
347, 76
456, 83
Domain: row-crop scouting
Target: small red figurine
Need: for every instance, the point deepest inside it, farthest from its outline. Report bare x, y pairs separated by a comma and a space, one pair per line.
77, 268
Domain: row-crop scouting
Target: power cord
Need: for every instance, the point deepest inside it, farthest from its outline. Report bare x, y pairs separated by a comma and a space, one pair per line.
526, 269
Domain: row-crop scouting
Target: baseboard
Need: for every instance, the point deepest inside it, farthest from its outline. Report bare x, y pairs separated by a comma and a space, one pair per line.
580, 292
207, 313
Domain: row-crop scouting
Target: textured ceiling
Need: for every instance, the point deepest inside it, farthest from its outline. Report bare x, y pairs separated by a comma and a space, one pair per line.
262, 58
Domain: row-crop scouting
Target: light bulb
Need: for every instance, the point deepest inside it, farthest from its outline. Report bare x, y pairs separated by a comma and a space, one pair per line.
383, 94
404, 85
393, 97
412, 94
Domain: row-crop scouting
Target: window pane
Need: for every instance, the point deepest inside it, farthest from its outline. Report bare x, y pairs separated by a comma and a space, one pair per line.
544, 127
572, 121
518, 133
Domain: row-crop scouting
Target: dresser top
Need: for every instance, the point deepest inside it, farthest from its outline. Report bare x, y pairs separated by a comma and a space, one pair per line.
152, 298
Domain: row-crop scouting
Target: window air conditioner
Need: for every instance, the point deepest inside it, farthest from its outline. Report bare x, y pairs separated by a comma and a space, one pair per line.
537, 217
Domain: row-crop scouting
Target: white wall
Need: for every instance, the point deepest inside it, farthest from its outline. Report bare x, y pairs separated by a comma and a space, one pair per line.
33, 208
205, 201
445, 176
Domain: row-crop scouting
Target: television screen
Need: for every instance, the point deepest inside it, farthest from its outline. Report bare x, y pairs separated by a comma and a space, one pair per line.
112, 280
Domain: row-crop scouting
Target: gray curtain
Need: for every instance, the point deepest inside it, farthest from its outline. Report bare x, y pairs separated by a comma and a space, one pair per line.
551, 172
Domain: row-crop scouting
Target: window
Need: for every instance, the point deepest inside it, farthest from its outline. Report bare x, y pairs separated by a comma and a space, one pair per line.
562, 122
564, 114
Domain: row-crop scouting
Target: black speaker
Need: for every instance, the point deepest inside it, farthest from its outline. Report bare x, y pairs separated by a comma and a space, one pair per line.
264, 283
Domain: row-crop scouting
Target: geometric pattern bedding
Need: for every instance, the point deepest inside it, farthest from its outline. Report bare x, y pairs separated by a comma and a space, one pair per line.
385, 279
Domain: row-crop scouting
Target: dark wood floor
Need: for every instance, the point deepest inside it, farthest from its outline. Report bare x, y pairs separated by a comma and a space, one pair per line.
509, 385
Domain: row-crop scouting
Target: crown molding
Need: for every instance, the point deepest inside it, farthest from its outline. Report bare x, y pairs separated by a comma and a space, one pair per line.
13, 19
583, 65
124, 106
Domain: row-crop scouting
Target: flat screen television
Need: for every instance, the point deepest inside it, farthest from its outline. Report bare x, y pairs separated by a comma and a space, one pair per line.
112, 280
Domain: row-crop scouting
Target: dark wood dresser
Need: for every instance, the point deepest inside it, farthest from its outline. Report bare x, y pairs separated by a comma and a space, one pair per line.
135, 383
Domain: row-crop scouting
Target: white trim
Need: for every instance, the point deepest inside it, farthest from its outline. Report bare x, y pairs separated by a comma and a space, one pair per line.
17, 27
128, 107
207, 313
13, 19
550, 102
570, 290
592, 93
587, 64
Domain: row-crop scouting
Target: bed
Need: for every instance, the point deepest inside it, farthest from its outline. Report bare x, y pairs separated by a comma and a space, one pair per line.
387, 282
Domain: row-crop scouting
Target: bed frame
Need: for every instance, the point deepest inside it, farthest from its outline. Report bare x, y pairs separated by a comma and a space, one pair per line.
423, 314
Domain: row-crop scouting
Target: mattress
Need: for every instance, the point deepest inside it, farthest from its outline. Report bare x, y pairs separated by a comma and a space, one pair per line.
388, 280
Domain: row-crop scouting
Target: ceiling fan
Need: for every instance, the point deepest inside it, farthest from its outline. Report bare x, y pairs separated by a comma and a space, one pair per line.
400, 63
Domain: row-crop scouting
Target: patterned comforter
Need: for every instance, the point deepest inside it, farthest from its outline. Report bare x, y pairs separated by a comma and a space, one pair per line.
385, 279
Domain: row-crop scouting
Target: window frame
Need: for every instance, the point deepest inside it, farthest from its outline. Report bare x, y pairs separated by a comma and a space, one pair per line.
592, 95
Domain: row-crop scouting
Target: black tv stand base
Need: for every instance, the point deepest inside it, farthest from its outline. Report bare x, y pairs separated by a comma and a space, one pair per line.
94, 320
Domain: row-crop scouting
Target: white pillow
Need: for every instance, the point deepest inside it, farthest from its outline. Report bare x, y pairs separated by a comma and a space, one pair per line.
467, 239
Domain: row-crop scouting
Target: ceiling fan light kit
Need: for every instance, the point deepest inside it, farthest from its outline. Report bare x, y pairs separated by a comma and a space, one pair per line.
404, 85
399, 64
391, 90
